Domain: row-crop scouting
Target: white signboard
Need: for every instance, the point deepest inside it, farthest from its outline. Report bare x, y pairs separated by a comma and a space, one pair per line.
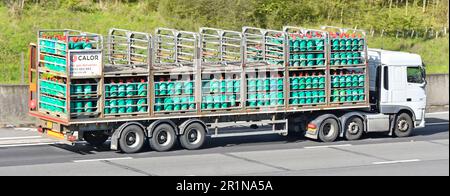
85, 64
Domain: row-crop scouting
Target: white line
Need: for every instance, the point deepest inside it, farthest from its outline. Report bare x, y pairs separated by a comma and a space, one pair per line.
432, 124
437, 113
18, 138
314, 147
26, 129
35, 144
393, 162
94, 160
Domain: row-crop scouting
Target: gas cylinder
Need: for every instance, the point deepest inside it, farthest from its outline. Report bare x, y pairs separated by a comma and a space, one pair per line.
237, 86
176, 104
303, 43
342, 42
296, 59
260, 85
343, 56
131, 88
315, 81
170, 87
280, 97
130, 106
348, 43
349, 57
337, 58
229, 85
122, 106
141, 105
311, 59
280, 82
121, 89
320, 42
320, 59
311, 43
295, 82
142, 88
179, 87
192, 103
168, 104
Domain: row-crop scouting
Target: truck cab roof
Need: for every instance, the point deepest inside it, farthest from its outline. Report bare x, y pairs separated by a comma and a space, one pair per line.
394, 58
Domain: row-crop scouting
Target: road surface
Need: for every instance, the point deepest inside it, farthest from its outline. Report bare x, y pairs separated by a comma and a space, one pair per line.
24, 152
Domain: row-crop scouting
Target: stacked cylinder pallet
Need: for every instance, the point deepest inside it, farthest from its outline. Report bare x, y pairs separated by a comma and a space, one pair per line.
265, 91
126, 96
174, 95
221, 93
307, 50
84, 99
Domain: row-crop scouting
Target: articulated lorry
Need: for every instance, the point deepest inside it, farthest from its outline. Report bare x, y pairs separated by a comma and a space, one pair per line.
136, 88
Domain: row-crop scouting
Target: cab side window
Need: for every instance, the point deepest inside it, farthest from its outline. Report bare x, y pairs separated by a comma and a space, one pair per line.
415, 75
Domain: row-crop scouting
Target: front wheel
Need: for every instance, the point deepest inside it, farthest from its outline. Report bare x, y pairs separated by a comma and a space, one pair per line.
329, 130
403, 125
193, 137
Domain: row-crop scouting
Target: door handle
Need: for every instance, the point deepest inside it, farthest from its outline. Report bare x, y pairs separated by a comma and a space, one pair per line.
409, 100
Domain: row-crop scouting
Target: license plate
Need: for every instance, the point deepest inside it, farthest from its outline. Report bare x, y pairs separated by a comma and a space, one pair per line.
49, 125
312, 131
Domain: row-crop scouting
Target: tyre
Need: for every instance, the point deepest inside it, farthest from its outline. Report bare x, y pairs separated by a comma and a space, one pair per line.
329, 130
354, 128
163, 138
132, 139
194, 137
403, 125
95, 138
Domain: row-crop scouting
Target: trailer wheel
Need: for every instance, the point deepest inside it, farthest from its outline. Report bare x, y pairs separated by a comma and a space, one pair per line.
163, 138
132, 139
193, 137
329, 130
354, 128
95, 138
403, 125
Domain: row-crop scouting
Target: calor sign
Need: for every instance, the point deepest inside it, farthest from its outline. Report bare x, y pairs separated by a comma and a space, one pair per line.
86, 64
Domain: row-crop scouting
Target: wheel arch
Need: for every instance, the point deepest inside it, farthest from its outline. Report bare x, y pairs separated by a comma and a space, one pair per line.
185, 124
116, 135
318, 122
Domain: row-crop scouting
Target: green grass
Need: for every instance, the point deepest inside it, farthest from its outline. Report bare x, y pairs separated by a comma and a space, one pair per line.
16, 32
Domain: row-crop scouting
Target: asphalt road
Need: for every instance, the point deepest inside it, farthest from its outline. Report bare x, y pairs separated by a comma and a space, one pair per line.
24, 152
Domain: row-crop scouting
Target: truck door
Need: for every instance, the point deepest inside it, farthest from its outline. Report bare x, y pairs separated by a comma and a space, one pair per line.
415, 90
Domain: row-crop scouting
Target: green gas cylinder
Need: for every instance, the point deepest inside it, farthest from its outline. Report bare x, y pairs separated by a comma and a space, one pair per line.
113, 106
355, 81
252, 100
320, 59
343, 57
362, 80
296, 44
295, 82
131, 88
294, 98
122, 106
311, 44
203, 105
141, 105
348, 43
348, 81
260, 85
107, 107
251, 84
184, 103
355, 43
217, 102
296, 60
267, 84
310, 59
320, 43
321, 94
361, 43
192, 104
79, 107
356, 58
342, 83
107, 90
215, 86
158, 88
308, 82
130, 106
121, 89
349, 57
88, 106
273, 98
260, 99
315, 81
337, 58
362, 97
176, 104
79, 89
280, 97
237, 86
223, 85
303, 61
210, 102
224, 102
342, 43
179, 87
291, 60
168, 104
230, 85
280, 83
303, 44
189, 87
322, 80
232, 99
267, 99
159, 104
170, 88
142, 88
273, 84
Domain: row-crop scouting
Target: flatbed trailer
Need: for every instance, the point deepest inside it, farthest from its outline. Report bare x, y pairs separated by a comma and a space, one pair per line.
180, 86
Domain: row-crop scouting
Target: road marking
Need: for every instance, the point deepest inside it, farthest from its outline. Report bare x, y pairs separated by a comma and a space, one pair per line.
26, 129
110, 159
333, 146
18, 138
23, 145
394, 162
437, 113
432, 124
